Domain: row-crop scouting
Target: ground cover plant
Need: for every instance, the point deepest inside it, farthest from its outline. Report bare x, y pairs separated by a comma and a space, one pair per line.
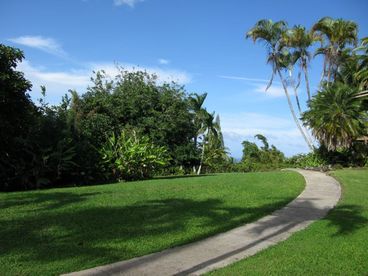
54, 231
335, 245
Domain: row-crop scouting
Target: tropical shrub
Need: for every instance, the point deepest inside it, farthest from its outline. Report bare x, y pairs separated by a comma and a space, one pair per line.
336, 116
130, 157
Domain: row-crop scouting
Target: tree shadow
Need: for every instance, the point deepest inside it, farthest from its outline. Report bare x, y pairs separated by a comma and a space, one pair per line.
182, 176
46, 200
348, 218
98, 235
294, 217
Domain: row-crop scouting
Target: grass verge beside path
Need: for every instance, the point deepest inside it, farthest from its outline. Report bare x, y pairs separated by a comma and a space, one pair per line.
62, 230
335, 245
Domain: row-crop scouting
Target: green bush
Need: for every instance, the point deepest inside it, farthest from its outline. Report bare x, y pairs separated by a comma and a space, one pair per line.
312, 159
129, 157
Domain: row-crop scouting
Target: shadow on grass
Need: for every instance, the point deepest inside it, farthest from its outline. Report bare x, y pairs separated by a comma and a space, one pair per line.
182, 176
347, 218
106, 234
46, 200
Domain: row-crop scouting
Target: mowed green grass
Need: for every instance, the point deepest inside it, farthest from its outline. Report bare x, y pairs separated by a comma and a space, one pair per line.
336, 245
56, 231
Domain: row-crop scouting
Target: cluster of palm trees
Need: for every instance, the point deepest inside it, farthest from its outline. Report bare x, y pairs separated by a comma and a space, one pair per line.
337, 114
208, 137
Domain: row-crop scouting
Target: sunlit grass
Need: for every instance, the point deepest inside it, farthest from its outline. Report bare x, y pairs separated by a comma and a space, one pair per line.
62, 230
335, 245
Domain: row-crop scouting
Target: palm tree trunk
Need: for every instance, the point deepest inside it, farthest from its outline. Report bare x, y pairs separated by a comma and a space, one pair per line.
202, 157
305, 69
323, 71
329, 71
292, 110
295, 91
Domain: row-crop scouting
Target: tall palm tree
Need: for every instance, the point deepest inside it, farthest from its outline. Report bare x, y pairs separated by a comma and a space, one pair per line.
361, 75
299, 39
196, 105
210, 130
271, 34
336, 116
335, 35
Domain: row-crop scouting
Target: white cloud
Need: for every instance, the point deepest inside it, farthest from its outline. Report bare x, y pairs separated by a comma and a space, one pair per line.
130, 3
163, 61
59, 82
273, 91
45, 44
163, 75
281, 132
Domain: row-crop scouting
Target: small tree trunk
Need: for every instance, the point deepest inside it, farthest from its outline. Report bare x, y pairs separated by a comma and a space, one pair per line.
292, 110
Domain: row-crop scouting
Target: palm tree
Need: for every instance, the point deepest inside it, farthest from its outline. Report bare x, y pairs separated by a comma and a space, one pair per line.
299, 39
216, 153
336, 116
210, 130
271, 34
361, 74
196, 105
337, 34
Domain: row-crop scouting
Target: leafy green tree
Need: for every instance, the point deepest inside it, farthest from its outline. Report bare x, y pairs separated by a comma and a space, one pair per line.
264, 158
17, 115
134, 100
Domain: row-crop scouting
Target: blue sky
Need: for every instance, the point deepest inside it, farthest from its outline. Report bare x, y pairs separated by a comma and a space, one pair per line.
200, 44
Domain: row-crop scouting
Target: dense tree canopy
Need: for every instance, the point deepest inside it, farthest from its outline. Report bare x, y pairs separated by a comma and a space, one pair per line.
43, 145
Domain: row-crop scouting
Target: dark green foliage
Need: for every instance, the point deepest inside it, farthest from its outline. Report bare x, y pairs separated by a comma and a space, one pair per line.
258, 159
336, 117
17, 117
45, 146
134, 100
310, 160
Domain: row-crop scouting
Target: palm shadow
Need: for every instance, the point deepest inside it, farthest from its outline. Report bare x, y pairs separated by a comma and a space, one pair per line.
348, 218
100, 235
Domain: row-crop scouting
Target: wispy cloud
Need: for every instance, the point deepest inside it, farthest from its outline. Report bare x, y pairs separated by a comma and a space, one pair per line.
247, 79
260, 85
45, 44
130, 3
163, 61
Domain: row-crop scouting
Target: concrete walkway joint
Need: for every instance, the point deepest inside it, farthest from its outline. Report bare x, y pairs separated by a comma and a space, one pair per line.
321, 194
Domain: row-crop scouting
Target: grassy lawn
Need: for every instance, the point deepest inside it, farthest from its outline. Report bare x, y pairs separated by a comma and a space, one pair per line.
61, 230
336, 245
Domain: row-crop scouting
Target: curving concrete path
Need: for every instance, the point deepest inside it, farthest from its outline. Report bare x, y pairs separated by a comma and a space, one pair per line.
321, 194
